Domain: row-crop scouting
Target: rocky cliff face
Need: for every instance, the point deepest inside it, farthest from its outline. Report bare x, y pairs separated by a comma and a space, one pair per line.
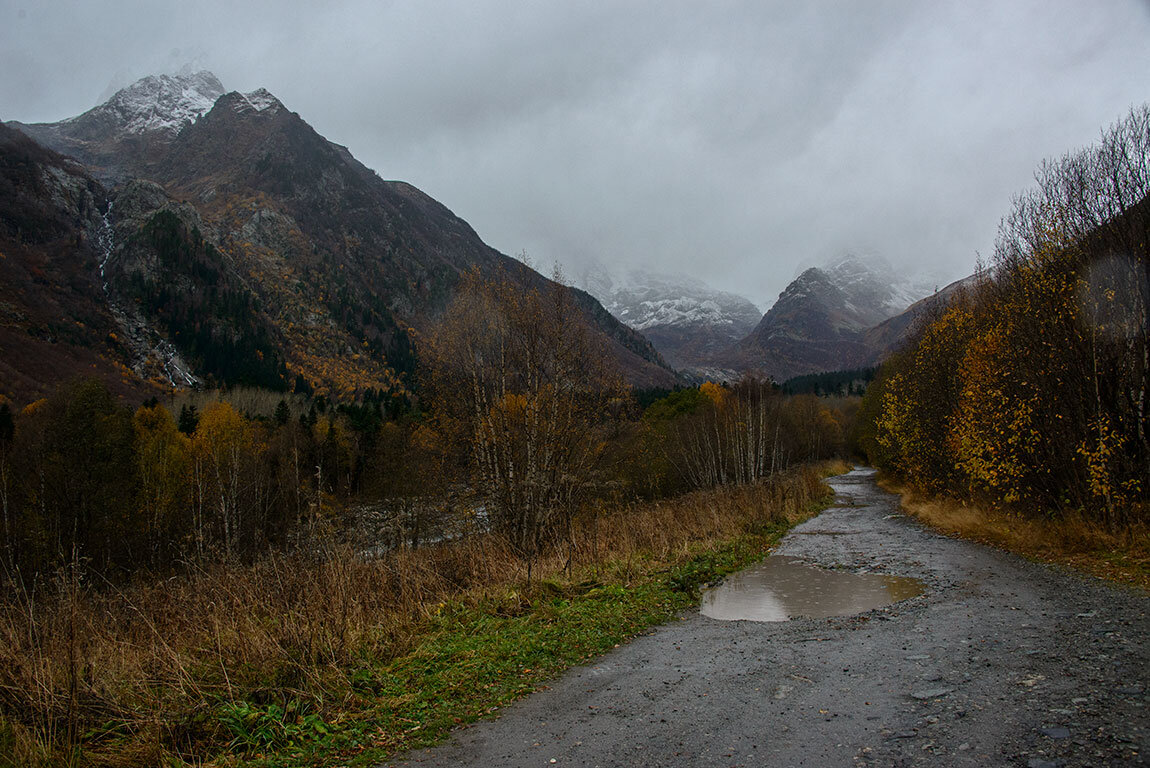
55, 322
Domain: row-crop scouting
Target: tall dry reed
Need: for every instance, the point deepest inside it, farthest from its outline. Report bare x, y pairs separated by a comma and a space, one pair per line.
142, 667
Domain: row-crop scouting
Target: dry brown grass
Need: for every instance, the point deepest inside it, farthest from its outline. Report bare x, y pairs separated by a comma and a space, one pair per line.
142, 668
1121, 556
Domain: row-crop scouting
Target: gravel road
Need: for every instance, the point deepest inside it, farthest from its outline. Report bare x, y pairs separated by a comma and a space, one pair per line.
999, 662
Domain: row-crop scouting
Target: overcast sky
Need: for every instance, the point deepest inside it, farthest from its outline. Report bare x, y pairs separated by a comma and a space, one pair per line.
734, 141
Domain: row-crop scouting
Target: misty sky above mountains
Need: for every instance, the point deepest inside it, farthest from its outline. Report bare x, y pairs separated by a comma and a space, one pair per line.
736, 142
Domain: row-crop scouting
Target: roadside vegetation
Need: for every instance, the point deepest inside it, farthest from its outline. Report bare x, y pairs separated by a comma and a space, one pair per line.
1026, 395
1120, 554
287, 579
298, 658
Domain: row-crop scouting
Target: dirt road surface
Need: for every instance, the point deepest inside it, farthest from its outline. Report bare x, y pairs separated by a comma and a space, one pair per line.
999, 662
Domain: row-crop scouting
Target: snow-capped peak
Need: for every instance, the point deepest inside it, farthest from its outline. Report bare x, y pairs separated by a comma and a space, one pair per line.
869, 279
257, 101
163, 102
645, 299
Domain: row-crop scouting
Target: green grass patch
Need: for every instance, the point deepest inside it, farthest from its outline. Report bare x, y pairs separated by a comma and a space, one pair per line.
479, 654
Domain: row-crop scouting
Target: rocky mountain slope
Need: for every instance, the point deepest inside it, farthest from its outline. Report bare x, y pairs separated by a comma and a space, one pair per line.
684, 318
55, 322
131, 132
265, 254
890, 334
820, 321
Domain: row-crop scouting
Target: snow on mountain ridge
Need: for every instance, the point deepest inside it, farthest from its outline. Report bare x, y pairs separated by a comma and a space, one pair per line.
683, 317
873, 276
258, 100
684, 310
166, 103
643, 299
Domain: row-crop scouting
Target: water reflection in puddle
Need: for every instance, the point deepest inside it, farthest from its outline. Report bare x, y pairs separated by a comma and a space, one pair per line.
780, 588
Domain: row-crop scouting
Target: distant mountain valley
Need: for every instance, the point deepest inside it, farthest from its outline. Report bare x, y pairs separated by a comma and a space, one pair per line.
843, 314
685, 319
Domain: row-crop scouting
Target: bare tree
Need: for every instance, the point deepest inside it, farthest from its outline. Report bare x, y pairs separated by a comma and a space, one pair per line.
514, 364
747, 432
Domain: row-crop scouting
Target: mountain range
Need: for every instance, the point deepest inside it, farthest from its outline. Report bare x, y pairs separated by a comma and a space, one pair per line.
180, 234
204, 236
825, 319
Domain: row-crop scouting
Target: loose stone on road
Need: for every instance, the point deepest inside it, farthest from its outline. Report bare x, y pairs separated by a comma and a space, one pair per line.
999, 662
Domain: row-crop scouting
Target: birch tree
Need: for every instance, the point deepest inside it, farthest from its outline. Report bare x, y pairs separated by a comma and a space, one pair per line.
514, 364
227, 450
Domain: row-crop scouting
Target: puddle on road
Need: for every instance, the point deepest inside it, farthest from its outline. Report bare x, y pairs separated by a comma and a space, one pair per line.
780, 588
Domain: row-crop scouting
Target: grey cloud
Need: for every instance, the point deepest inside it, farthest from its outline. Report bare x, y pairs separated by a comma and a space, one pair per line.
733, 140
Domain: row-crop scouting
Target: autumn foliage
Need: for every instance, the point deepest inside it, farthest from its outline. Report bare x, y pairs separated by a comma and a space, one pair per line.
1030, 388
84, 479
